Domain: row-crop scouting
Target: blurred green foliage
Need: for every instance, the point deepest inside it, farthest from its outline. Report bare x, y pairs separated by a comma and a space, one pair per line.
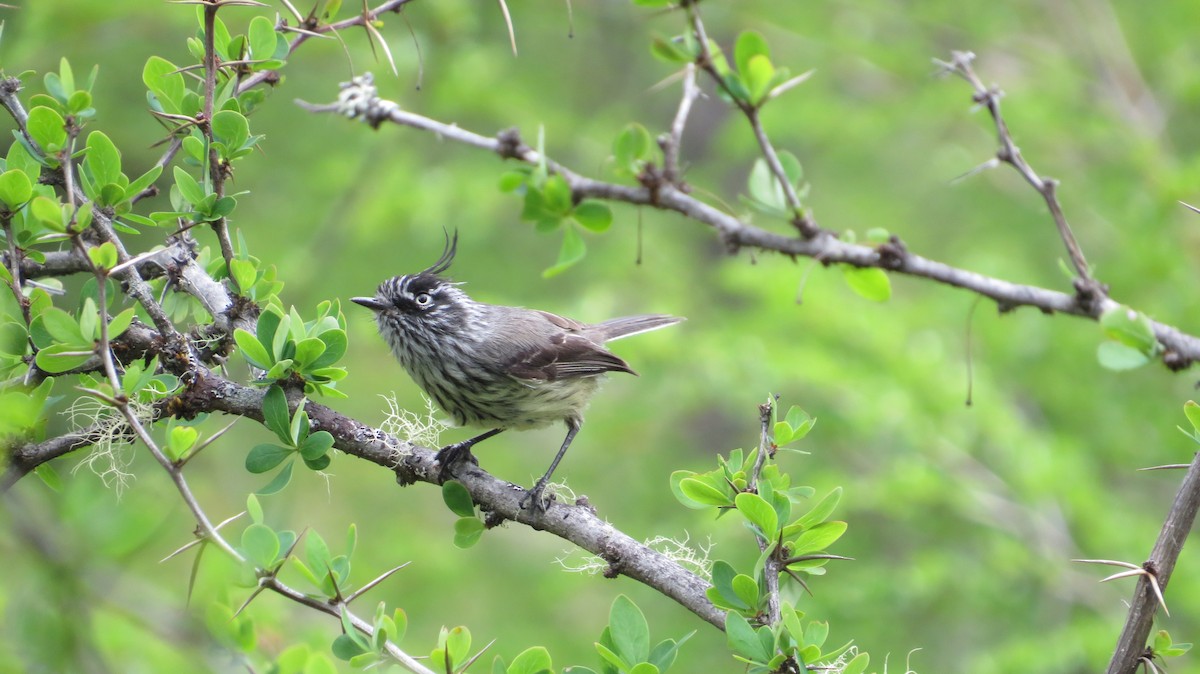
962, 518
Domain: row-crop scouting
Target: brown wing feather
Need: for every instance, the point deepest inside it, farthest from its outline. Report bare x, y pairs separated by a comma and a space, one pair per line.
565, 357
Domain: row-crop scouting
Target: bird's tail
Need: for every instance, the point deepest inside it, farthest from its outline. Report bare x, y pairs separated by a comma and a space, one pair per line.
625, 326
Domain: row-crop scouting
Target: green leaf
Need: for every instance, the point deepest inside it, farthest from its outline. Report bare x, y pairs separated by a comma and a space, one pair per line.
61, 358
871, 283
47, 128
1130, 328
758, 77
15, 189
629, 631
669, 50
746, 589
572, 251
262, 38
1119, 357
261, 545
458, 499
345, 647
749, 45
103, 256
266, 456
858, 664
742, 639
189, 188
308, 350
822, 510
759, 513
231, 127
335, 347
275, 413
1192, 411
48, 212
702, 492
818, 538
63, 327
467, 531
632, 148
143, 181
243, 273
277, 483
593, 215
181, 439
533, 660
164, 80
252, 349
316, 445
103, 159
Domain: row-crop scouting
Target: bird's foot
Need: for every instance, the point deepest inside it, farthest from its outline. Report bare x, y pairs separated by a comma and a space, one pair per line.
536, 500
451, 456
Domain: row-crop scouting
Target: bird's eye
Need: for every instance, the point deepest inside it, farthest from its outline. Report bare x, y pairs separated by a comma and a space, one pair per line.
423, 300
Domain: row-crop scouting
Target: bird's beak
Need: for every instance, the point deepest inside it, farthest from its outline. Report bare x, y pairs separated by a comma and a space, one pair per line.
369, 302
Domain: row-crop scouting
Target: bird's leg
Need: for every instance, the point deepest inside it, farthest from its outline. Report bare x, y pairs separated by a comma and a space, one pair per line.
451, 455
533, 497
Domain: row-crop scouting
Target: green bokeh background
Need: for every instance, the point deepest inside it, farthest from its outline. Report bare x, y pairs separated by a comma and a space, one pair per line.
963, 519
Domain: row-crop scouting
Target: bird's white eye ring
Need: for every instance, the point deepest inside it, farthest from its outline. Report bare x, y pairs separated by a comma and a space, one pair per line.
423, 300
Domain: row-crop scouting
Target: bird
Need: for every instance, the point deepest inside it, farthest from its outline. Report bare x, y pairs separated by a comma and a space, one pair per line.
495, 366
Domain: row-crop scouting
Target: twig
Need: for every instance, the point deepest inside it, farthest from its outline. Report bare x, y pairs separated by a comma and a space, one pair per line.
824, 247
672, 143
216, 172
989, 97
1132, 643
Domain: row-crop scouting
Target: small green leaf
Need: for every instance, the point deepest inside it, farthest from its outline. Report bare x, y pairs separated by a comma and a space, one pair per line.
749, 45
266, 456
467, 531
1119, 357
458, 499
1192, 411
702, 492
746, 589
261, 545
63, 327
1129, 327
308, 350
277, 483
572, 251
103, 256
189, 188
858, 664
593, 215
275, 413
743, 640
243, 273
316, 445
345, 647
230, 127
758, 77
103, 159
143, 181
759, 513
818, 537
15, 189
48, 212
629, 630
262, 38
535, 660
335, 348
181, 439
871, 283
164, 80
822, 510
47, 128
61, 358
252, 349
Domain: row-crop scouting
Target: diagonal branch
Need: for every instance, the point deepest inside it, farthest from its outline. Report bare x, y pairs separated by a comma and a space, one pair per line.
989, 97
359, 100
1132, 643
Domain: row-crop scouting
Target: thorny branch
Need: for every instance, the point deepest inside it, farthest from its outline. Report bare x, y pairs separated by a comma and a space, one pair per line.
960, 64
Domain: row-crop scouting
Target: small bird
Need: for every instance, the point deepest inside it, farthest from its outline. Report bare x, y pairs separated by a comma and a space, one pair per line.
495, 366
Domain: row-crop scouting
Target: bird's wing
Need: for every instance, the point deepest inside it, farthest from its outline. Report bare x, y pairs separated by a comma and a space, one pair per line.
566, 356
